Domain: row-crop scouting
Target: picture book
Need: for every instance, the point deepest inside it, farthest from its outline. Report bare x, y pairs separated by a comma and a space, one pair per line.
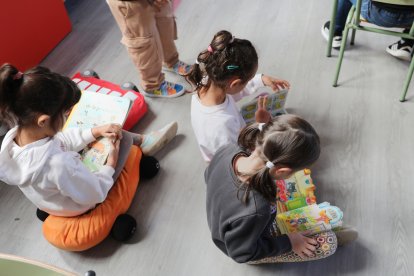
316, 218
275, 103
96, 109
295, 192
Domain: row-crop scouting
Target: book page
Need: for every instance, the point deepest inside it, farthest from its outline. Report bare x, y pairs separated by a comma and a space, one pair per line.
95, 109
275, 103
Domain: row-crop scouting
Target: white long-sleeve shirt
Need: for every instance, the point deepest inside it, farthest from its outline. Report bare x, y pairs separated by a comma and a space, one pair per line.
216, 126
51, 175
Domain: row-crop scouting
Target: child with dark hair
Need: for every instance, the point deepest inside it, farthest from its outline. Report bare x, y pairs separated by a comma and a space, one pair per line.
223, 74
41, 159
241, 194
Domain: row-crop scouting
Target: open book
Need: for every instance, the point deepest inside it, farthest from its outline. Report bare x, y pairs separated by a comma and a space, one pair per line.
316, 218
96, 109
275, 103
295, 192
297, 210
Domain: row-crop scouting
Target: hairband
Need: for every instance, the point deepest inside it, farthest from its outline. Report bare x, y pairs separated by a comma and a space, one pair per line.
197, 62
18, 76
210, 49
232, 67
260, 126
269, 165
232, 39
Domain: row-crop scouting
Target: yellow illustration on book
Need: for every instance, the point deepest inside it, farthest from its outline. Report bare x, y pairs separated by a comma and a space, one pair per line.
275, 103
96, 109
295, 192
315, 218
297, 210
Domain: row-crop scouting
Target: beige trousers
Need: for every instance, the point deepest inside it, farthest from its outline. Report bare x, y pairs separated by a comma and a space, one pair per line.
148, 35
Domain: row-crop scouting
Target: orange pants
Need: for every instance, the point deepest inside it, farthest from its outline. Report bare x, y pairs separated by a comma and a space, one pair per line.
87, 230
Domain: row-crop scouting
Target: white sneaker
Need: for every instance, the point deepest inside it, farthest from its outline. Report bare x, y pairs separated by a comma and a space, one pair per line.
155, 140
345, 235
401, 49
337, 39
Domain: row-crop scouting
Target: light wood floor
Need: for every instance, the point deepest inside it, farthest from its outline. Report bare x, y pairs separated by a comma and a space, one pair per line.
366, 166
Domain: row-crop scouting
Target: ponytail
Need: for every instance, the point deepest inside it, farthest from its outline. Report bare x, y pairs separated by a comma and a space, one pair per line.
225, 58
288, 141
10, 81
38, 91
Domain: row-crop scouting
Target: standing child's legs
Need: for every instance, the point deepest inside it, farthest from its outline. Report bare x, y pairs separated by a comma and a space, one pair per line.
136, 19
138, 25
167, 31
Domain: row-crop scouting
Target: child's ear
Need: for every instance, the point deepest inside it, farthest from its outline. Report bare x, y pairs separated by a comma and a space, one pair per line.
43, 120
235, 83
280, 173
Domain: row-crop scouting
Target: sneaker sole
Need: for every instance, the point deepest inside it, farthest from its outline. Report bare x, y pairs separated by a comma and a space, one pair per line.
169, 135
182, 92
399, 55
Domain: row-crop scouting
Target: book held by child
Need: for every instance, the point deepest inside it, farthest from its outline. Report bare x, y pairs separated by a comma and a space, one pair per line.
96, 109
297, 210
275, 103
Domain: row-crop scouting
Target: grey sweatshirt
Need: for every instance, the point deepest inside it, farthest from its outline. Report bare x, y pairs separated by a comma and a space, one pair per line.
241, 231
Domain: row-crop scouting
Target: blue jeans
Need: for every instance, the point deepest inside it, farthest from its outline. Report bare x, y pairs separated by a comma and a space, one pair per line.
378, 16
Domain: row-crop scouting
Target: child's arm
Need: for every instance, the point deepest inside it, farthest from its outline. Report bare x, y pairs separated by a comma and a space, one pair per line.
75, 139
274, 83
261, 80
247, 239
75, 181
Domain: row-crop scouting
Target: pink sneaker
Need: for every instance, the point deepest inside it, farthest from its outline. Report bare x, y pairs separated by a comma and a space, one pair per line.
180, 68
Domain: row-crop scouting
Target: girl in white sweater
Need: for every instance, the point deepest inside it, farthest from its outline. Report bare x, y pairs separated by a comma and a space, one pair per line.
224, 73
42, 160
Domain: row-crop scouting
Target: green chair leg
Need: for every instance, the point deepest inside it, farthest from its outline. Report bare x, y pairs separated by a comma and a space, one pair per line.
343, 45
353, 36
407, 81
341, 55
332, 28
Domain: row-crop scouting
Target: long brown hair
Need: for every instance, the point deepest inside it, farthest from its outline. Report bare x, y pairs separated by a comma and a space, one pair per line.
287, 140
225, 58
24, 96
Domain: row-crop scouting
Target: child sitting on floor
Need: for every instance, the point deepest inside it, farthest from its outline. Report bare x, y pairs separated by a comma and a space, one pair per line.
223, 74
43, 161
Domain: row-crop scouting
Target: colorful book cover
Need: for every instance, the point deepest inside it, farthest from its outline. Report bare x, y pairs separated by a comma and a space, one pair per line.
295, 192
275, 103
96, 109
315, 218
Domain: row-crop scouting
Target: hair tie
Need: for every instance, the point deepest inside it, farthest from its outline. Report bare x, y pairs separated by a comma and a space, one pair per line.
260, 126
197, 62
269, 165
210, 49
18, 76
232, 39
232, 67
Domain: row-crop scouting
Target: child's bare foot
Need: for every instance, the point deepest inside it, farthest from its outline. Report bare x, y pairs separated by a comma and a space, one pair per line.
152, 142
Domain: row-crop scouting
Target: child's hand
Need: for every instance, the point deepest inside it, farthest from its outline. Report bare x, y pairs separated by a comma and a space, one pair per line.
113, 154
262, 115
302, 245
159, 4
111, 131
274, 83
